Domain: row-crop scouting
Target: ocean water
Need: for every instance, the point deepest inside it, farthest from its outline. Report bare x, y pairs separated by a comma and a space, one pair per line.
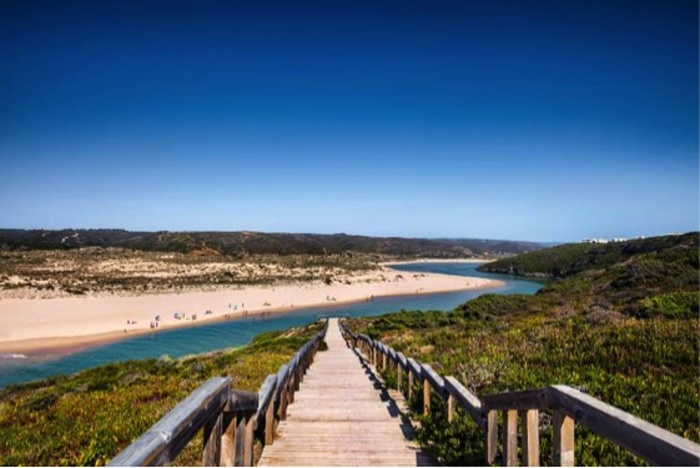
202, 338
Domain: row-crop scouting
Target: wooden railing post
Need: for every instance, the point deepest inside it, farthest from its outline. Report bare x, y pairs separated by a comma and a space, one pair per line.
510, 438
270, 423
248, 440
410, 383
491, 436
211, 455
530, 423
301, 370
290, 388
282, 410
426, 396
563, 439
297, 375
282, 385
228, 439
450, 408
240, 439
399, 375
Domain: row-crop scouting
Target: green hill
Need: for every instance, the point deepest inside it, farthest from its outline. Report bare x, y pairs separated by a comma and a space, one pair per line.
251, 243
568, 259
620, 323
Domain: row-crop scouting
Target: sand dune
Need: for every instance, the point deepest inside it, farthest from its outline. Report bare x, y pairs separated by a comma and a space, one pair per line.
45, 326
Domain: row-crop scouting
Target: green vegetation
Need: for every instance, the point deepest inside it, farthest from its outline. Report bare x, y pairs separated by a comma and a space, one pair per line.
624, 331
569, 259
55, 273
87, 418
242, 244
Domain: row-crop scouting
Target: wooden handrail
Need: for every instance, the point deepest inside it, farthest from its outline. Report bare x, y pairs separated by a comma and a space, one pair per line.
228, 417
437, 382
164, 441
652, 443
466, 400
522, 400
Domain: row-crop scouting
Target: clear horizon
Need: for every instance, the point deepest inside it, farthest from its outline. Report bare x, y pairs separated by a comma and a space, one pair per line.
543, 121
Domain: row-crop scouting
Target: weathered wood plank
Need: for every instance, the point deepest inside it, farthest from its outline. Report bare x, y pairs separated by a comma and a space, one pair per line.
270, 424
654, 444
522, 400
530, 423
402, 360
451, 408
248, 441
242, 401
228, 439
266, 396
437, 382
212, 433
399, 376
510, 438
491, 436
563, 427
426, 396
240, 440
415, 368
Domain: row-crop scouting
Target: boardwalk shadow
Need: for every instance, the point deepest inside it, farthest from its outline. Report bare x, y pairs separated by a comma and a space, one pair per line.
392, 407
405, 425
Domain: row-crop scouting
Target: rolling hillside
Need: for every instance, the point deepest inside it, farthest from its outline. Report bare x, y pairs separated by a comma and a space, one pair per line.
250, 243
568, 259
619, 322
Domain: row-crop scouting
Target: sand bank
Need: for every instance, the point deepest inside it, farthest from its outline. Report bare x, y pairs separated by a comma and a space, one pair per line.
439, 260
38, 327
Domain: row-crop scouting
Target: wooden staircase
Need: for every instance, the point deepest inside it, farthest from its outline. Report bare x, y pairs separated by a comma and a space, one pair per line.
342, 416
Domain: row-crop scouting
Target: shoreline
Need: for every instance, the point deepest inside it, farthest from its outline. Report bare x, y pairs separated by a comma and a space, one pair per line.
45, 328
438, 260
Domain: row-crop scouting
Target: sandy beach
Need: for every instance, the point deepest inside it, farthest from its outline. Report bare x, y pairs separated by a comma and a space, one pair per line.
38, 327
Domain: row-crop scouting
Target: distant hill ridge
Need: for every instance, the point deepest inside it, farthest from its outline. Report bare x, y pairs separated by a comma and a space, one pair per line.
569, 259
247, 242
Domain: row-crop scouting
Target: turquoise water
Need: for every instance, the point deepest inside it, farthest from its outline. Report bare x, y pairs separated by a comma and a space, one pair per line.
203, 338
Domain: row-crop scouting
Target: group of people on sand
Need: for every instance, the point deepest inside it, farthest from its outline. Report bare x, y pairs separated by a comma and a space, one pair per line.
180, 316
129, 322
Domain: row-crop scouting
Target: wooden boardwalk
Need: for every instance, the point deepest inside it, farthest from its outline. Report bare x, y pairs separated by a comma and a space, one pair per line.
342, 416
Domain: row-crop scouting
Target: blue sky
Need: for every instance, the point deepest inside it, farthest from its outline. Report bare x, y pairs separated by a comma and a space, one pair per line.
538, 120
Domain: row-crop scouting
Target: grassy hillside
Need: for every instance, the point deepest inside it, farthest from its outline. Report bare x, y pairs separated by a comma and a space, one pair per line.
625, 331
569, 259
256, 243
87, 418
